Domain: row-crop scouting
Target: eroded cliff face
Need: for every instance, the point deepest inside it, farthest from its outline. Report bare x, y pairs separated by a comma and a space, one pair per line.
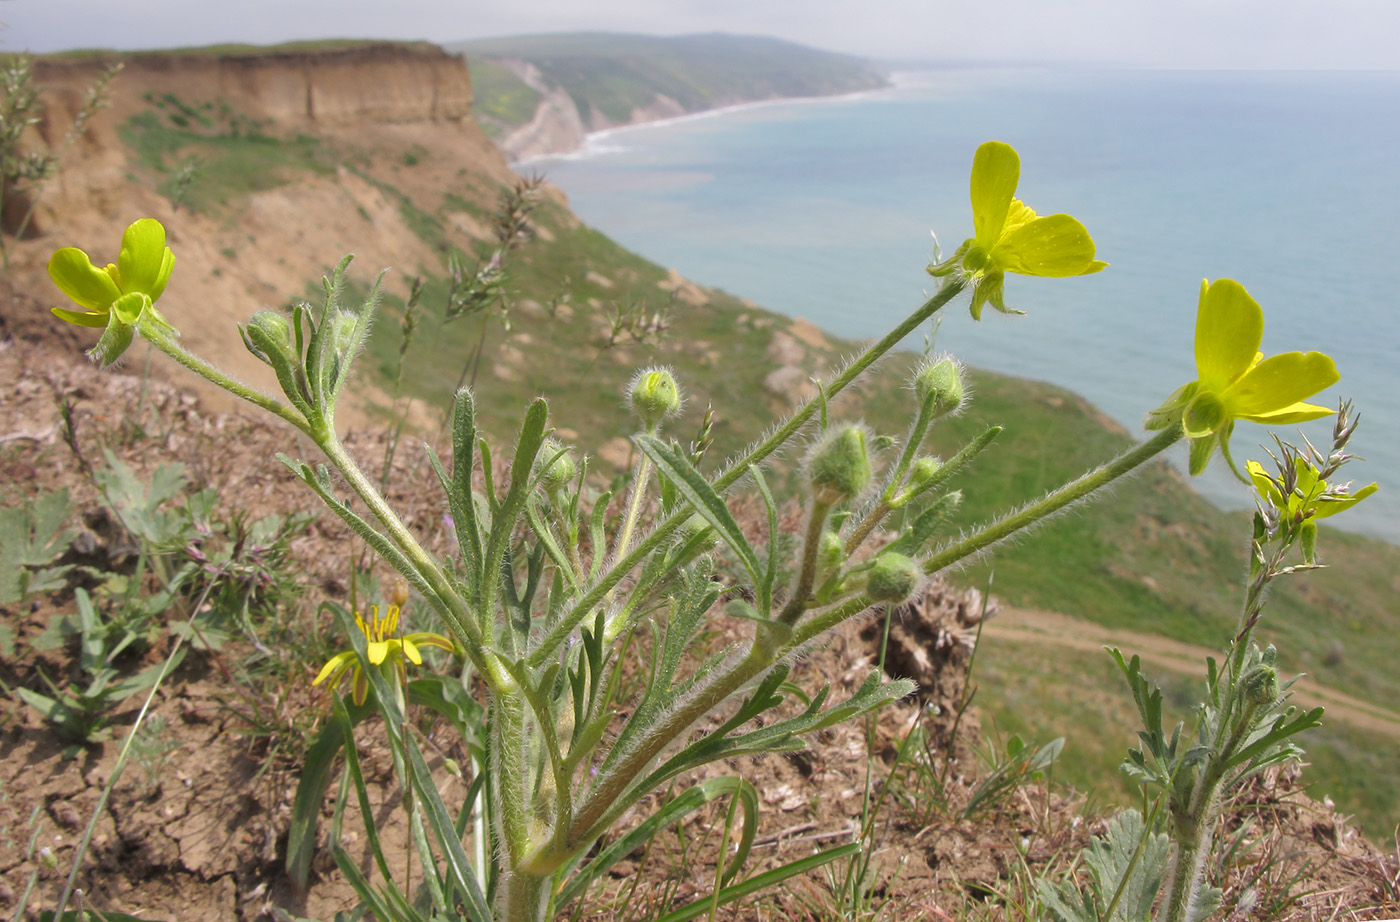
402, 173
369, 83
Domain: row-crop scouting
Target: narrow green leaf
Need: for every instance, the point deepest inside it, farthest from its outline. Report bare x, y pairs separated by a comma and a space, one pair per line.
698, 492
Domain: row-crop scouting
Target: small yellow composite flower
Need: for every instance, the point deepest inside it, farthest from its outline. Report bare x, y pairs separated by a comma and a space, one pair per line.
119, 295
382, 648
1235, 381
1311, 496
1011, 237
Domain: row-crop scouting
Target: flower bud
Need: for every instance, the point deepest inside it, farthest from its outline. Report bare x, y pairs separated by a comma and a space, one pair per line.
839, 465
654, 396
892, 578
1261, 685
939, 387
275, 328
923, 471
830, 552
558, 466
343, 331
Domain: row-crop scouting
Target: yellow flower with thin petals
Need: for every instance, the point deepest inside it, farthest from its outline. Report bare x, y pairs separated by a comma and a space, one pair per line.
119, 295
1011, 237
1235, 381
381, 648
1311, 496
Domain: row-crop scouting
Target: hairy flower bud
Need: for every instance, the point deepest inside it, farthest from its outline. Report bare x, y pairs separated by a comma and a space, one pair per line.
557, 466
839, 465
830, 552
939, 387
342, 332
924, 470
275, 326
892, 578
654, 396
1261, 685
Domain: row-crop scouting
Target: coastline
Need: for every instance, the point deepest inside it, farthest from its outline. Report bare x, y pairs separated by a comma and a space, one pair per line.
585, 146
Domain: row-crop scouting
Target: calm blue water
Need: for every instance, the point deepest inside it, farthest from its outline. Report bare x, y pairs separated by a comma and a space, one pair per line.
1288, 182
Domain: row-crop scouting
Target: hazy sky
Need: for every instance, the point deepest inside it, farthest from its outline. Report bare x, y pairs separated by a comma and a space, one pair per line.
1174, 33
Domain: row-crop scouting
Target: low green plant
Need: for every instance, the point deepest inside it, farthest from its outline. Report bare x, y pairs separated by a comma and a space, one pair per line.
81, 712
1245, 725
547, 600
33, 536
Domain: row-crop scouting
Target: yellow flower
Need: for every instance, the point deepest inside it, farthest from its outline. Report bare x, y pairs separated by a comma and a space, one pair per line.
118, 295
1011, 237
381, 649
1311, 496
1235, 381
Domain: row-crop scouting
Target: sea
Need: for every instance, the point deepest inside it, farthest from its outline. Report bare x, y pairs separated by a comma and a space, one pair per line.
830, 209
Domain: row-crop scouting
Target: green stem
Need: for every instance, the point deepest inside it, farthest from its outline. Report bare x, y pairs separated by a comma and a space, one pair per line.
551, 642
525, 897
1055, 500
167, 344
634, 505
1002, 528
452, 608
811, 545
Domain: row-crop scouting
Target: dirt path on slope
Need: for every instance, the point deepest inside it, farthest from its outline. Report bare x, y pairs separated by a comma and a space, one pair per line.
1025, 625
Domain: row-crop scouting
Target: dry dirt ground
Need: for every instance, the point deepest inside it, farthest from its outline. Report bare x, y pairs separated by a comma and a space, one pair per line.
203, 837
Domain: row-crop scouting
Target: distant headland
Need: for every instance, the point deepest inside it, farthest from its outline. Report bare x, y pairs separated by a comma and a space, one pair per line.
543, 94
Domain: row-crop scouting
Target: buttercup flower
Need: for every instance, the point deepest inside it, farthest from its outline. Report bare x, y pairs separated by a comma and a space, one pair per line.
1311, 496
1011, 237
1236, 381
382, 648
117, 296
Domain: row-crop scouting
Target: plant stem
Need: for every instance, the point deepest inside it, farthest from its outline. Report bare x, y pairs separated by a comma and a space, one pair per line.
1055, 500
1002, 528
586, 603
452, 608
167, 344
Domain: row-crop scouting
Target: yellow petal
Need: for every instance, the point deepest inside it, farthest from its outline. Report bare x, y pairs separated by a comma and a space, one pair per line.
411, 651
1055, 246
143, 258
79, 279
1263, 483
996, 168
361, 686
167, 266
425, 639
82, 319
1277, 384
379, 650
1331, 506
333, 665
1229, 327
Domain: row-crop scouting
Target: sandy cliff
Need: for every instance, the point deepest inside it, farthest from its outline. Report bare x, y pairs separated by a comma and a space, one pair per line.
395, 139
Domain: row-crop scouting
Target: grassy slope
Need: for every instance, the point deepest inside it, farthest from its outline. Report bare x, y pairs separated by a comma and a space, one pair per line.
1158, 557
612, 74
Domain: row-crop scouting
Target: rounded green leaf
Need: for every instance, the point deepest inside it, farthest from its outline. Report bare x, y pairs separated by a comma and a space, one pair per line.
996, 168
1229, 328
1278, 384
1056, 246
75, 275
142, 265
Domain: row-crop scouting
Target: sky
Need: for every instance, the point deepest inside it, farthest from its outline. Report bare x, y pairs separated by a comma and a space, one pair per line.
1289, 34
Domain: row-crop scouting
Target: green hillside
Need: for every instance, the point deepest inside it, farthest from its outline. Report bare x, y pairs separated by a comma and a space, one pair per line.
608, 75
